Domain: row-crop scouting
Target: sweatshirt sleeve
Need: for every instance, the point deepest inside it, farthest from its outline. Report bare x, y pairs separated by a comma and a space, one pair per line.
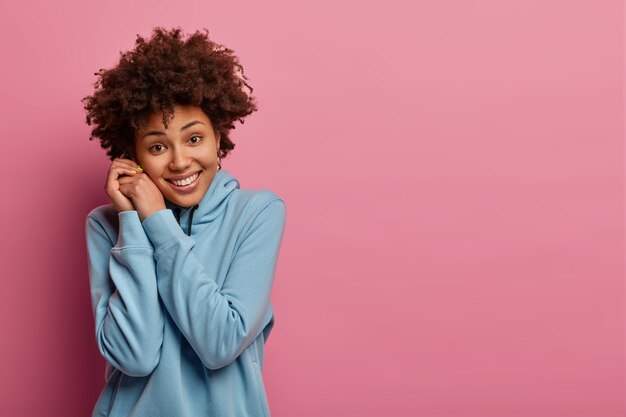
128, 317
218, 323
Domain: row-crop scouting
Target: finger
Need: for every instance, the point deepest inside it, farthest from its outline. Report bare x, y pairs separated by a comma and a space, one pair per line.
125, 190
132, 163
128, 179
114, 175
117, 172
129, 188
125, 164
122, 161
125, 160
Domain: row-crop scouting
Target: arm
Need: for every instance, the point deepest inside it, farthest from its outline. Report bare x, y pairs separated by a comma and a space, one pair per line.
219, 324
128, 317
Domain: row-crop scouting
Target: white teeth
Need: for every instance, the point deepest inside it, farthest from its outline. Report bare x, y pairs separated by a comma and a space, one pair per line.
186, 181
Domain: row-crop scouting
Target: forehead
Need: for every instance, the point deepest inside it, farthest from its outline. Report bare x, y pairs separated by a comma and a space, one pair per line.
183, 114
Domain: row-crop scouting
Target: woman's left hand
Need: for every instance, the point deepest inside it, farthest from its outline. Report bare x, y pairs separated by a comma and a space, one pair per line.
143, 192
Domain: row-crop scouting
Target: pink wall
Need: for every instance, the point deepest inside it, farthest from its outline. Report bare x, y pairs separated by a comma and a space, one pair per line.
453, 172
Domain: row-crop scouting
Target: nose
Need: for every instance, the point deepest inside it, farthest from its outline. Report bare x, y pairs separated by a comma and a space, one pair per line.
180, 161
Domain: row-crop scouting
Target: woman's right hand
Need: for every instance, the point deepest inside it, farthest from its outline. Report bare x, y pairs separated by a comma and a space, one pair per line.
119, 167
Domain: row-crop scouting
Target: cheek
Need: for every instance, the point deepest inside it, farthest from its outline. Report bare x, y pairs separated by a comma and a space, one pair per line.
156, 178
150, 167
154, 175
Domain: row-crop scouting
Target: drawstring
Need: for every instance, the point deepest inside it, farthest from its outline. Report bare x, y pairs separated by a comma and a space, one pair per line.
177, 213
191, 219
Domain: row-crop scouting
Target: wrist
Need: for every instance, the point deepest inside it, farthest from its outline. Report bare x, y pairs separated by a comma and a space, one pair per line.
144, 214
124, 209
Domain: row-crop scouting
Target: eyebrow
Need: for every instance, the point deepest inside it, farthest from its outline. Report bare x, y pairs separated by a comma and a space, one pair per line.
161, 133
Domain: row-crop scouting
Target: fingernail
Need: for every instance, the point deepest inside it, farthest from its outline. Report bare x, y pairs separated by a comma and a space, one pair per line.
139, 167
133, 171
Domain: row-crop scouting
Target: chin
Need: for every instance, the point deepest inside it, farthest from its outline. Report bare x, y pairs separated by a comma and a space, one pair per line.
185, 202
189, 199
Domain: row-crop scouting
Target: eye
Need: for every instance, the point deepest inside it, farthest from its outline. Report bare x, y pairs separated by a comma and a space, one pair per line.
156, 148
197, 139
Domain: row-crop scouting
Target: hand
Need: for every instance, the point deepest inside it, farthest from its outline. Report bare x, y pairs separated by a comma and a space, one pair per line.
118, 169
145, 196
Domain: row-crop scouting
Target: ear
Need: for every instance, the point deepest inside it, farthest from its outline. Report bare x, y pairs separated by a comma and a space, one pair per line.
218, 137
127, 154
130, 153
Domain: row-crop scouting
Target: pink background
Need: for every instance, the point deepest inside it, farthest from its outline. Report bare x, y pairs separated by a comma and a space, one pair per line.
453, 173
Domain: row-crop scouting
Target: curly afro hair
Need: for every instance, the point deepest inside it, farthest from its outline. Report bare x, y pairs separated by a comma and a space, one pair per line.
160, 73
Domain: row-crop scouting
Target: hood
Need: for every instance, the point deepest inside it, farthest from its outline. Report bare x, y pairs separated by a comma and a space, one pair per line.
211, 205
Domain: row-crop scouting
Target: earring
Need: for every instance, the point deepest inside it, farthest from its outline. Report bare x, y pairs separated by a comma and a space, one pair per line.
219, 163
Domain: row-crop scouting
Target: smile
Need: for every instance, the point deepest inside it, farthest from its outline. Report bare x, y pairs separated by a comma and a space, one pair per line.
186, 181
185, 184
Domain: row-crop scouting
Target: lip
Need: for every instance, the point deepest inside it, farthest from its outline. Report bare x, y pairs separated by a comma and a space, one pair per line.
182, 177
188, 187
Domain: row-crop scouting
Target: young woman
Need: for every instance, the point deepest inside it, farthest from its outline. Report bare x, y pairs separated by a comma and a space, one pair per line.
181, 263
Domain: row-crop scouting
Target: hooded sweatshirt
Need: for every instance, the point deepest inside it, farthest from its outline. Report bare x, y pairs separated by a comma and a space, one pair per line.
181, 303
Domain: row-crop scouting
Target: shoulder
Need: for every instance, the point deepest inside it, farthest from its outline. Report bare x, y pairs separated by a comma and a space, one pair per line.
253, 204
106, 216
105, 213
257, 200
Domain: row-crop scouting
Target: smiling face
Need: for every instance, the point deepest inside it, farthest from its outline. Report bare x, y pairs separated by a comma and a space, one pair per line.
182, 159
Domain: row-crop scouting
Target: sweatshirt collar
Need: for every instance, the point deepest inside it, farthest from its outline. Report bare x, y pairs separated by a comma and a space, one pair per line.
210, 206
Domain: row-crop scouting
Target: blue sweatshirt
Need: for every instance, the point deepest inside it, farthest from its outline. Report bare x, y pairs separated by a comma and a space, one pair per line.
181, 303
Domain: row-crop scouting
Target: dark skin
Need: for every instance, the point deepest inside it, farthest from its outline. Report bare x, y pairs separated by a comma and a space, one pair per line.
128, 186
187, 149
